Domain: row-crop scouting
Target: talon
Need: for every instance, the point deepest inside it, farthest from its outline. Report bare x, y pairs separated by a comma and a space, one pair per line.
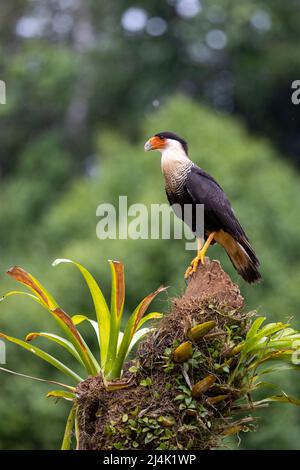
193, 266
195, 263
188, 272
200, 257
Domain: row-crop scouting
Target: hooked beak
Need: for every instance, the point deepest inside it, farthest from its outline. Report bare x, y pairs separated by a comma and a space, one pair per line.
148, 146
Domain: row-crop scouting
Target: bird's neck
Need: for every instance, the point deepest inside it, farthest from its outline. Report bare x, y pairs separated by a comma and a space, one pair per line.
174, 160
175, 165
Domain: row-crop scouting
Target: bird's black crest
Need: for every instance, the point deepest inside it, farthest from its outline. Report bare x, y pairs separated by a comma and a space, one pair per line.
172, 135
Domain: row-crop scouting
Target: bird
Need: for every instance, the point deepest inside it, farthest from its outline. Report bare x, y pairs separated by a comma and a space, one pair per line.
188, 184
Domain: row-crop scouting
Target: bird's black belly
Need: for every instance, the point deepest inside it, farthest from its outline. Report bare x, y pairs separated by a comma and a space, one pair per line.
186, 209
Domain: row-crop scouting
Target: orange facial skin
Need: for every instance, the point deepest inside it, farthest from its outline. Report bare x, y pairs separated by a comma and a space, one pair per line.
157, 143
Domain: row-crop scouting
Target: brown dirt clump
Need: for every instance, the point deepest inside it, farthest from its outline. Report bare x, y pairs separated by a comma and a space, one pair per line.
169, 405
210, 282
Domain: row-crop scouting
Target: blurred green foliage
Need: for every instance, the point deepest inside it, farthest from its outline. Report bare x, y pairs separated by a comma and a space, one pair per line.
72, 64
83, 94
253, 176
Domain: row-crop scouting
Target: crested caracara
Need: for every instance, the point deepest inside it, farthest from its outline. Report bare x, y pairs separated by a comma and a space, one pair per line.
187, 184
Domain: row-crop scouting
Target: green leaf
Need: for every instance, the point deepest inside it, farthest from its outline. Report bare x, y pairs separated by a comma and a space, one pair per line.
138, 335
117, 445
34, 285
56, 339
63, 320
69, 396
101, 308
149, 437
67, 439
76, 339
188, 400
258, 339
288, 332
147, 382
254, 327
275, 355
281, 399
271, 328
116, 310
149, 316
18, 292
45, 356
180, 397
273, 344
130, 329
77, 319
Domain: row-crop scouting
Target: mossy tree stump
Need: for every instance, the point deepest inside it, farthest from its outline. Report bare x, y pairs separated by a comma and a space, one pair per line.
186, 402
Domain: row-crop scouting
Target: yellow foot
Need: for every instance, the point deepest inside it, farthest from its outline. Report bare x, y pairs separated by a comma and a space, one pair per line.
200, 256
193, 266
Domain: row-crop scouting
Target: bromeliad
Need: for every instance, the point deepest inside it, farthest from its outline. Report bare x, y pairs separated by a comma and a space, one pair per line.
114, 345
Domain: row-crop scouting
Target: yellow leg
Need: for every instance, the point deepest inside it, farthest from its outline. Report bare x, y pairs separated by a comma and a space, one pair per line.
200, 242
200, 256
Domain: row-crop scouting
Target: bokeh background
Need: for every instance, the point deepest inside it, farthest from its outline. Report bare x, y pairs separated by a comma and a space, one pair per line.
87, 82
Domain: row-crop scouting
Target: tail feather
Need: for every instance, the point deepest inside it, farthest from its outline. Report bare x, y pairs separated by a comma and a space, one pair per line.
245, 265
242, 256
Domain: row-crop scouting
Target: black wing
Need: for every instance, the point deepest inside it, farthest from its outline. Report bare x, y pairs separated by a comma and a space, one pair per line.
203, 189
